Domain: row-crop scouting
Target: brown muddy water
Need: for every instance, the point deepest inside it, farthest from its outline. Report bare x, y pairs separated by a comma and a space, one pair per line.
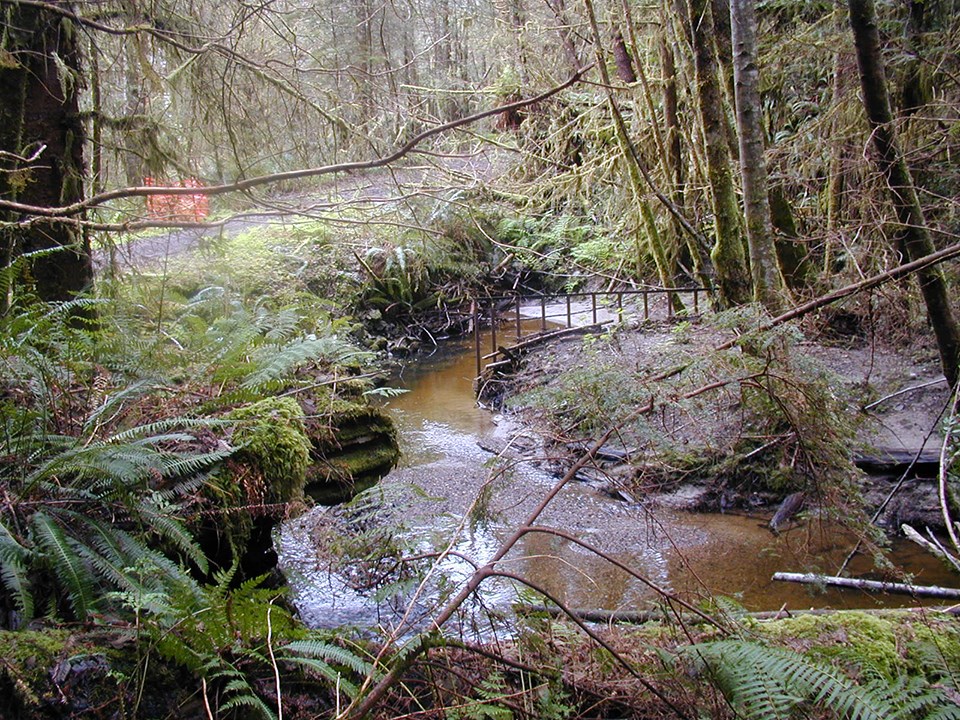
466, 501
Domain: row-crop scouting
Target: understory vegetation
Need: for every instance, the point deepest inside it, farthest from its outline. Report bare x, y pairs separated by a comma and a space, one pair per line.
756, 415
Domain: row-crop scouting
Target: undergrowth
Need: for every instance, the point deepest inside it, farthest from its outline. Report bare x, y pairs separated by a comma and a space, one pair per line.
758, 416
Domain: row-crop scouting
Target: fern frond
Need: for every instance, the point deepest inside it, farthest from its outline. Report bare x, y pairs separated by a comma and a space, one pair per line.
114, 401
181, 465
158, 428
281, 362
14, 573
319, 650
159, 517
66, 562
761, 680
323, 670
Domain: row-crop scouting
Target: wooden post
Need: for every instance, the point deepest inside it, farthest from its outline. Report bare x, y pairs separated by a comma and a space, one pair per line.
519, 331
593, 296
646, 305
620, 307
493, 325
569, 323
543, 314
476, 333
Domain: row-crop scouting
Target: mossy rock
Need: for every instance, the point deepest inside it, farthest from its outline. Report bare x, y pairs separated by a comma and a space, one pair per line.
889, 645
272, 437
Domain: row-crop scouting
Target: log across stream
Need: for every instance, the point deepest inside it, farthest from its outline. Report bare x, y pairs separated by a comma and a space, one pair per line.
698, 555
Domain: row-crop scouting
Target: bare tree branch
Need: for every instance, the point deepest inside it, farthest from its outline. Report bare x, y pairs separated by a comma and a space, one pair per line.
67, 211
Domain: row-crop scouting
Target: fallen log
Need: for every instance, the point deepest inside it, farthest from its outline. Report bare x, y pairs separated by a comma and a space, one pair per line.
543, 337
638, 617
870, 585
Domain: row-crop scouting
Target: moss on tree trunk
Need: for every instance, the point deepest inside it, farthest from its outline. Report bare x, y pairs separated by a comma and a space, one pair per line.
43, 135
915, 236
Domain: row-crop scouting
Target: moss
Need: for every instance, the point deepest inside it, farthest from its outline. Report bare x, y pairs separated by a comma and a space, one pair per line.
362, 461
931, 648
56, 673
273, 437
26, 659
855, 640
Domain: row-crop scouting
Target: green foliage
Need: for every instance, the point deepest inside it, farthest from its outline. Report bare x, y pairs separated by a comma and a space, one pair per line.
280, 261
484, 706
550, 245
271, 436
761, 681
235, 638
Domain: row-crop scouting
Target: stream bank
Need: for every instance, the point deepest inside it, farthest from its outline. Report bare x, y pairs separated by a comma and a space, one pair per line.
450, 490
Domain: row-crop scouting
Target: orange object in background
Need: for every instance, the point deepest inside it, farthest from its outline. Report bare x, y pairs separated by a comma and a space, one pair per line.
195, 206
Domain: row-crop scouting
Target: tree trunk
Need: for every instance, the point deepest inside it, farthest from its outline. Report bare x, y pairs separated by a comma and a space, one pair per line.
733, 280
837, 174
917, 86
40, 84
915, 235
767, 282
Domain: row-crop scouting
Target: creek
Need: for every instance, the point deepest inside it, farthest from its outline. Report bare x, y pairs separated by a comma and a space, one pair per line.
697, 555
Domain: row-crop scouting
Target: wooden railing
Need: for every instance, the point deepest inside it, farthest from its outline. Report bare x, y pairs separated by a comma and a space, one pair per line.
569, 310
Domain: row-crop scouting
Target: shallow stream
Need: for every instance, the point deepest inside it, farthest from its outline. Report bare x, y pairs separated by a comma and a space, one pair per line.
697, 555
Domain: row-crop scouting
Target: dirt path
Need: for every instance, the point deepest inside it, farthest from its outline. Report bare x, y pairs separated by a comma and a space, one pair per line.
371, 195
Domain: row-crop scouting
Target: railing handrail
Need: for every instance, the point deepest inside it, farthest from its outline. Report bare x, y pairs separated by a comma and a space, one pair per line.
481, 306
588, 293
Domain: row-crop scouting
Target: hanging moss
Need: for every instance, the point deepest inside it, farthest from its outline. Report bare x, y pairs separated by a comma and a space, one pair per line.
273, 439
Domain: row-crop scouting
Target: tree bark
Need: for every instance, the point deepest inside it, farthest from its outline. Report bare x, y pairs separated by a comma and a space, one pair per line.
729, 261
40, 114
915, 236
767, 282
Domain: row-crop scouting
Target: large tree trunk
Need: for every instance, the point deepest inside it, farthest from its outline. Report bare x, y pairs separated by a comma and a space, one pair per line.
40, 83
914, 234
733, 280
767, 283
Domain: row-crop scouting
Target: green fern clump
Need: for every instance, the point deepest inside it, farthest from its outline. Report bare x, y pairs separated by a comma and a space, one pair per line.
271, 436
236, 639
762, 681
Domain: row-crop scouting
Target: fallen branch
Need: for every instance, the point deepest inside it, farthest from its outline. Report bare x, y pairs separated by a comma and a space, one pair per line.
638, 617
870, 585
898, 393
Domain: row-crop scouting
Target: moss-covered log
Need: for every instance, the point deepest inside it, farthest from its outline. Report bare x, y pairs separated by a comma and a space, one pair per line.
354, 445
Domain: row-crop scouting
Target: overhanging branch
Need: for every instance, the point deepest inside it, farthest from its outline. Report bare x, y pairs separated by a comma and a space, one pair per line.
68, 211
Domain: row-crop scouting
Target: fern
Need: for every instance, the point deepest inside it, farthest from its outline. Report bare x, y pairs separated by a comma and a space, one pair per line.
281, 362
67, 564
14, 559
765, 682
